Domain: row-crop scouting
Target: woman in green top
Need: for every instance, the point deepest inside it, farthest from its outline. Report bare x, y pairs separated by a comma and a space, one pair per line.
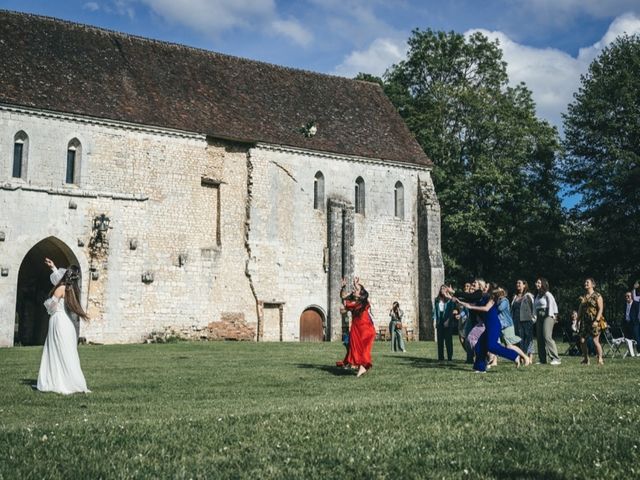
591, 320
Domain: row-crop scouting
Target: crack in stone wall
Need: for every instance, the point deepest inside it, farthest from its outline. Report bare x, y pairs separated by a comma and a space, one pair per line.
284, 170
247, 244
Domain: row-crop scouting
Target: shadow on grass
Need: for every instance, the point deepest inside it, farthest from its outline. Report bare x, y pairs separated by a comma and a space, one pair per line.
503, 446
332, 369
527, 474
422, 362
32, 382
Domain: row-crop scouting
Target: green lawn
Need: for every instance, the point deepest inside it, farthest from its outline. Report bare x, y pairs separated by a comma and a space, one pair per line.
258, 410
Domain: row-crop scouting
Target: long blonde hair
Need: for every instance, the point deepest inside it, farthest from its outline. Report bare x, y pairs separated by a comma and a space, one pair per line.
498, 293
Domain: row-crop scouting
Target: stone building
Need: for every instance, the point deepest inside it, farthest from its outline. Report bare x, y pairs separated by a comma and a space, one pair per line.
199, 189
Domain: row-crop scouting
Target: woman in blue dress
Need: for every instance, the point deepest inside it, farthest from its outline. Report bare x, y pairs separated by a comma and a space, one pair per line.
488, 341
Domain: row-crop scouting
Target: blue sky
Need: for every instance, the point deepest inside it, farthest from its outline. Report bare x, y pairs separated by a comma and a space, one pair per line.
547, 43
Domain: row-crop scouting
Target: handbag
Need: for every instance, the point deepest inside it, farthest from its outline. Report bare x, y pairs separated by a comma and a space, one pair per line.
474, 335
398, 325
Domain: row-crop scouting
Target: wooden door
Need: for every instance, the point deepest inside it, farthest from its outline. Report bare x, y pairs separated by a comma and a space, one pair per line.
311, 327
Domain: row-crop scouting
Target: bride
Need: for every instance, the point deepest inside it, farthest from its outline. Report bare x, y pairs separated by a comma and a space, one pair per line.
60, 370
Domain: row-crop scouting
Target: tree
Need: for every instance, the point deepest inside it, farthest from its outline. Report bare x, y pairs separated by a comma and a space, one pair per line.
602, 164
494, 161
367, 77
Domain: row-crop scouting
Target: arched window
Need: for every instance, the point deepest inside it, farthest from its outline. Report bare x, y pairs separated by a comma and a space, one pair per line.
74, 156
398, 198
360, 195
318, 191
20, 153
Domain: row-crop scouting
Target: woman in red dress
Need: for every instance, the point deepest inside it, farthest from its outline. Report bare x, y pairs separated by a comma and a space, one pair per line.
363, 332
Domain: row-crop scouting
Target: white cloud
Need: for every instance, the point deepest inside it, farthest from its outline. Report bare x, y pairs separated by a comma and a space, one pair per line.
551, 74
628, 23
213, 17
91, 6
355, 22
561, 10
292, 29
121, 7
381, 54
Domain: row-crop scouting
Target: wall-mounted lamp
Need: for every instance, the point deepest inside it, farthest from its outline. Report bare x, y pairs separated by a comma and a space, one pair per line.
99, 229
101, 223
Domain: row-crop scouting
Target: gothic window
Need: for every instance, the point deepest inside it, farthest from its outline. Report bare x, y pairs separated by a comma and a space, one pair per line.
20, 151
318, 191
74, 157
398, 197
360, 195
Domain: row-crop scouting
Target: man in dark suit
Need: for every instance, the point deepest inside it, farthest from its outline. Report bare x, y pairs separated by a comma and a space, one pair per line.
629, 310
634, 313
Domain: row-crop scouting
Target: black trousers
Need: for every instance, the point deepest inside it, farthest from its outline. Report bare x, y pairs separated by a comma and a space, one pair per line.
445, 338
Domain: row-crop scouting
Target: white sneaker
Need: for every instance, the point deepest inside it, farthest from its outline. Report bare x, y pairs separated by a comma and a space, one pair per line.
555, 362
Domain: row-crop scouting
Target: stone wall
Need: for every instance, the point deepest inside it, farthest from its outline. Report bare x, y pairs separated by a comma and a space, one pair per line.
150, 184
430, 262
288, 237
222, 234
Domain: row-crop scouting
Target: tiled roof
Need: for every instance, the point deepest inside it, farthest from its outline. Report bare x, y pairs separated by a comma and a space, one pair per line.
56, 65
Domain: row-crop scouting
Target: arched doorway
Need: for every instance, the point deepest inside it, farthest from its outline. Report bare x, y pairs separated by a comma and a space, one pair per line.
32, 320
312, 325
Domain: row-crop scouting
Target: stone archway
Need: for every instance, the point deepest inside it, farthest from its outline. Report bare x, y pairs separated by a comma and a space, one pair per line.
34, 287
312, 322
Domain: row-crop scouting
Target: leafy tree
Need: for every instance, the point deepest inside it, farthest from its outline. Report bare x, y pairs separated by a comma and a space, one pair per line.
367, 77
494, 161
602, 141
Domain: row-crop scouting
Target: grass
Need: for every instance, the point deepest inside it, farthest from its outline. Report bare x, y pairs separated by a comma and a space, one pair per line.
257, 410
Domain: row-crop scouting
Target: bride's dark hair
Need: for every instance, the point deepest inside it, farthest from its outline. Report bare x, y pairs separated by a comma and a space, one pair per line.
71, 280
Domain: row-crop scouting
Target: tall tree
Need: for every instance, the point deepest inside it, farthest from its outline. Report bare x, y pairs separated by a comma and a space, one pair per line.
495, 162
602, 141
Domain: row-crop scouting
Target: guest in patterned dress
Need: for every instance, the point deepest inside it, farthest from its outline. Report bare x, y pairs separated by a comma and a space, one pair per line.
591, 320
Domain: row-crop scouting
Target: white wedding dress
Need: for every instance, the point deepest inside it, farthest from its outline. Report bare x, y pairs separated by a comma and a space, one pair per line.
60, 370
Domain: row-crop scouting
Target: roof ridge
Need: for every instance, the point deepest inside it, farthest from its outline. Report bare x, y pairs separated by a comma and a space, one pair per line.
140, 80
142, 38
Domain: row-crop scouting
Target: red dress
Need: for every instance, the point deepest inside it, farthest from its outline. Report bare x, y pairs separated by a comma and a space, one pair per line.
361, 335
